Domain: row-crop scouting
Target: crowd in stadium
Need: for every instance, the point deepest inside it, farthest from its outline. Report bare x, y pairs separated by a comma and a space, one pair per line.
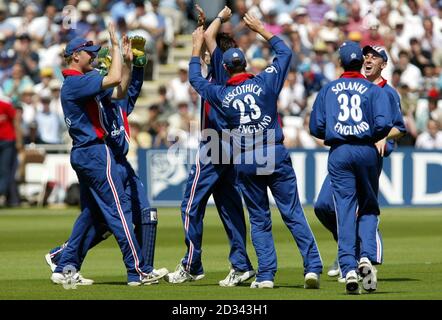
34, 33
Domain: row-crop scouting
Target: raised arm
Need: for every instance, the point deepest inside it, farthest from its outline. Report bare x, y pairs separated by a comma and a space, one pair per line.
274, 75
113, 78
210, 34
126, 70
204, 88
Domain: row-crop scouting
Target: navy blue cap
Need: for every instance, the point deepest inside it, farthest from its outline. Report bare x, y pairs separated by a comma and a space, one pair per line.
377, 50
80, 44
234, 57
350, 51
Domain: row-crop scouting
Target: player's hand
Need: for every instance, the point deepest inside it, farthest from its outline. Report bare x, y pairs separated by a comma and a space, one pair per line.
380, 145
127, 50
198, 38
225, 14
253, 23
138, 44
201, 15
104, 60
112, 34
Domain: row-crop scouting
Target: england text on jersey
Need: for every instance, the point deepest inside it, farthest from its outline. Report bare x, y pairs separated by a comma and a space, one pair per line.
254, 128
352, 130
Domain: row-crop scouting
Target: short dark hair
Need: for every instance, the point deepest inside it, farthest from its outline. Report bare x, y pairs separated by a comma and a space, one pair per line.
224, 41
355, 65
238, 66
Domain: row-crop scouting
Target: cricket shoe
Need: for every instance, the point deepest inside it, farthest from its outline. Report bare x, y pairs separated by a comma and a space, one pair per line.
236, 277
311, 281
266, 284
51, 264
341, 279
334, 269
180, 275
76, 279
150, 278
369, 275
351, 283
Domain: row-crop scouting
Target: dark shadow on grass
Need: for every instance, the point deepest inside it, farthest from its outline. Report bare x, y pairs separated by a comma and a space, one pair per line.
397, 279
113, 283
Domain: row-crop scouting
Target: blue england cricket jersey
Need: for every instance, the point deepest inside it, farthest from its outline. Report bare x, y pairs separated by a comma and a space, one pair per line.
351, 110
217, 75
116, 113
80, 94
396, 113
248, 103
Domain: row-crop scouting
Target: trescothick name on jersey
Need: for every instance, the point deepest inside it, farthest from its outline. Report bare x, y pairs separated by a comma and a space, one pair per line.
245, 88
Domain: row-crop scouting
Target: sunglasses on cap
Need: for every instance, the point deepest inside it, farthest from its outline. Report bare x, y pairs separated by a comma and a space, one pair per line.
84, 45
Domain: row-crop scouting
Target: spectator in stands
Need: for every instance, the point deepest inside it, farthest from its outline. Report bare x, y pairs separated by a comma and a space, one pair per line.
6, 28
10, 143
43, 29
431, 138
239, 27
164, 104
55, 105
316, 10
152, 119
49, 126
304, 27
161, 139
179, 87
121, 9
304, 139
184, 125
372, 36
27, 57
313, 81
46, 75
14, 86
291, 100
419, 57
355, 20
29, 111
6, 63
410, 74
29, 14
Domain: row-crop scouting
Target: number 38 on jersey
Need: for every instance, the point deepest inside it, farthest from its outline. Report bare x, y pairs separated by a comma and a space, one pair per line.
350, 116
350, 107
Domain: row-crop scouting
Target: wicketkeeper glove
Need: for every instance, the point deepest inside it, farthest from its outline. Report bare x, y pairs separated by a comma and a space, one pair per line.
104, 61
138, 49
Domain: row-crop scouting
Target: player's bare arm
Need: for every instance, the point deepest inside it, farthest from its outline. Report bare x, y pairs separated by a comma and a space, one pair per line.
256, 25
126, 71
197, 41
210, 34
113, 78
394, 133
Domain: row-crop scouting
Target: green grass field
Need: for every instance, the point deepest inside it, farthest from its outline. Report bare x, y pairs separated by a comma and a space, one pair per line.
412, 262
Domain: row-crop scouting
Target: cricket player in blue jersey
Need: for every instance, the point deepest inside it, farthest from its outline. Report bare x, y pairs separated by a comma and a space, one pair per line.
116, 121
248, 104
375, 60
351, 114
214, 178
101, 188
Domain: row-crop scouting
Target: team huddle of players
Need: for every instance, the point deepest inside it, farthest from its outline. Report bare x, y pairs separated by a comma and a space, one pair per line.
357, 116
